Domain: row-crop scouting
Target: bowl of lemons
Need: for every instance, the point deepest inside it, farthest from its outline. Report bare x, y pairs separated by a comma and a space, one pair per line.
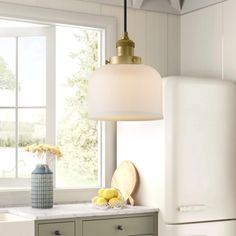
108, 198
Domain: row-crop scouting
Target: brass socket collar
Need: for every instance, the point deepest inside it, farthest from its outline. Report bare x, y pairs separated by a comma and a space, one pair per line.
125, 41
125, 52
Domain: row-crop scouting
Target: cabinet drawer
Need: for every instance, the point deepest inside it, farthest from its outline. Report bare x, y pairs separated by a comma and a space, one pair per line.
60, 228
119, 226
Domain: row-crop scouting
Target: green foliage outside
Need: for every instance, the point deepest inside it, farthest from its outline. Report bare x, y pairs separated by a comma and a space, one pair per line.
7, 82
26, 137
7, 78
78, 136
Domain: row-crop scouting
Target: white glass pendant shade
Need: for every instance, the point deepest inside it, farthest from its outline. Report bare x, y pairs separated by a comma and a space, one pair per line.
125, 92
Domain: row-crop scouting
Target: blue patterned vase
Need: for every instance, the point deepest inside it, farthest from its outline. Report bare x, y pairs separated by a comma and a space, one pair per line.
42, 187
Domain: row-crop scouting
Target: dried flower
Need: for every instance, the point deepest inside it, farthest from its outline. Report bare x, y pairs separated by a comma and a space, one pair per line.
42, 151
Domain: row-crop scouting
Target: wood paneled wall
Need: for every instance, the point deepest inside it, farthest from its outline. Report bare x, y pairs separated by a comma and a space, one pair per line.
208, 42
157, 35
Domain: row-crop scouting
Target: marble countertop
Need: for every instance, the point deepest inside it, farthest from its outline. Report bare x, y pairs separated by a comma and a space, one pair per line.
74, 210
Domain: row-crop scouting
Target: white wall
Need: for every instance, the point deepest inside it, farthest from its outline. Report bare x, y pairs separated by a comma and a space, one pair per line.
157, 35
208, 41
201, 53
192, 5
229, 39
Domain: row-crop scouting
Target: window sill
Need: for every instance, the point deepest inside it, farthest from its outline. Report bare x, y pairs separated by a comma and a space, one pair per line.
21, 197
3, 190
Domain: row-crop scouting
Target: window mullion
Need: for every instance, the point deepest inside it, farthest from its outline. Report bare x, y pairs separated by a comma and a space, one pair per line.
16, 111
51, 92
50, 87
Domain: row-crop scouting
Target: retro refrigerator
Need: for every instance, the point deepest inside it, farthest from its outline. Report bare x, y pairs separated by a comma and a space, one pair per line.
187, 161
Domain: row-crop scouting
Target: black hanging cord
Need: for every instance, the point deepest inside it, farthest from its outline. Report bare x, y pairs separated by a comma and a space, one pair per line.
125, 15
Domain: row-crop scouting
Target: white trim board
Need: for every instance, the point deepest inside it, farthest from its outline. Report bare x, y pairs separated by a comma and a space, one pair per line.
60, 17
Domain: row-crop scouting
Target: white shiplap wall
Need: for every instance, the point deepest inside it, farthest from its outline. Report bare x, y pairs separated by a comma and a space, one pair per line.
229, 39
208, 42
201, 52
156, 35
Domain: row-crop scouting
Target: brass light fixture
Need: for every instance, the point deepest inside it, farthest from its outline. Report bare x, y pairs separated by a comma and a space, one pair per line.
124, 89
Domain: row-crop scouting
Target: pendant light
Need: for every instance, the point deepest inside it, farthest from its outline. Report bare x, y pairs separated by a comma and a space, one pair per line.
124, 89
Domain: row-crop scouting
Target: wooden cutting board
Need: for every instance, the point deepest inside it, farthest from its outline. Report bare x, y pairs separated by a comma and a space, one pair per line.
125, 178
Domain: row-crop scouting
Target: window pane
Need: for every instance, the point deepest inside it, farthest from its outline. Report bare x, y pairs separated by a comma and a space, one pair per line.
7, 143
7, 71
32, 71
32, 129
76, 135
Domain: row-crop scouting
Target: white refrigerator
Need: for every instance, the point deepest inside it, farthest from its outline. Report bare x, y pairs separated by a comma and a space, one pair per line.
187, 161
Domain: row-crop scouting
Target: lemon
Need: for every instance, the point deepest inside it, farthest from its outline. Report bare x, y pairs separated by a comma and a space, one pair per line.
114, 201
100, 192
100, 201
108, 193
115, 191
120, 197
95, 199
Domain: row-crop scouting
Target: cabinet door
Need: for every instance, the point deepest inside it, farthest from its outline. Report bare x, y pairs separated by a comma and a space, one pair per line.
60, 228
120, 226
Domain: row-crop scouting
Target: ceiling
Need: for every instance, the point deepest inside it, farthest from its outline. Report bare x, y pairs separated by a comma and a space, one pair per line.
170, 6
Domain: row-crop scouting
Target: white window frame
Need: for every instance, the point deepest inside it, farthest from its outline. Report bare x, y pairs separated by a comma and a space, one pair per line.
66, 18
48, 33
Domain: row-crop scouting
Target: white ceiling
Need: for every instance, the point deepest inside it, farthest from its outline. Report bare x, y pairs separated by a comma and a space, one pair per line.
170, 6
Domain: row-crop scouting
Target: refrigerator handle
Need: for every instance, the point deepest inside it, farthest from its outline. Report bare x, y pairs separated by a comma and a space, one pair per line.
192, 208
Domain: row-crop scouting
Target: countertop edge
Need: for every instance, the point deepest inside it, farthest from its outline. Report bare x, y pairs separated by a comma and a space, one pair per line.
75, 211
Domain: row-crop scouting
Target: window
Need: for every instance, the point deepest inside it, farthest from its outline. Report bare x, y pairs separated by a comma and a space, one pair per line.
50, 19
44, 72
22, 98
78, 53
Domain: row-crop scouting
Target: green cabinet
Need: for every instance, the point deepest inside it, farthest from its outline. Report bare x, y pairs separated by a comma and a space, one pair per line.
122, 225
57, 228
119, 226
